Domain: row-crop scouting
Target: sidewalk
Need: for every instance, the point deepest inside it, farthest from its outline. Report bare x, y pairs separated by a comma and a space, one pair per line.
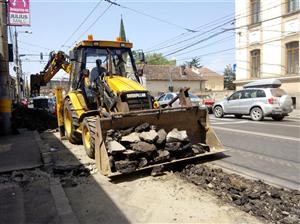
27, 193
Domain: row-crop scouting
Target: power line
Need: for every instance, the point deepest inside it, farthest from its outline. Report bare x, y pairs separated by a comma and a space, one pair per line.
239, 17
187, 33
34, 45
150, 16
210, 53
83, 21
198, 35
207, 45
96, 20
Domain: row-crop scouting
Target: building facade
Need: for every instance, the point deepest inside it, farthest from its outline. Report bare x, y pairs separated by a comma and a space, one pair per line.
267, 43
164, 78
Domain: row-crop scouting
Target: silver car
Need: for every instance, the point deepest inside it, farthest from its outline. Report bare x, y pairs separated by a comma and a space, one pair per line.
256, 102
165, 98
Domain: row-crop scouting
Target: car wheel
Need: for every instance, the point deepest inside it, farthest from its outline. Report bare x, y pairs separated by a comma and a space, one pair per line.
238, 115
277, 118
256, 114
218, 111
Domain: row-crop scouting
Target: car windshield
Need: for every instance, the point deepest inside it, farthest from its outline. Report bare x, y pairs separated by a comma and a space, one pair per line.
114, 61
278, 92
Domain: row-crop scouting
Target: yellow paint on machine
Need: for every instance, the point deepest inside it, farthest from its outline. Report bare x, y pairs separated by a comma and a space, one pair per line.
78, 102
5, 105
122, 84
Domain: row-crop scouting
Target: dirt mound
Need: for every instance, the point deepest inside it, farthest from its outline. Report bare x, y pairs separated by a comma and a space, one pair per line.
32, 119
253, 196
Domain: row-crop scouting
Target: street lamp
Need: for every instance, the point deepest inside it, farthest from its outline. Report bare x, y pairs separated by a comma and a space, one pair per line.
18, 63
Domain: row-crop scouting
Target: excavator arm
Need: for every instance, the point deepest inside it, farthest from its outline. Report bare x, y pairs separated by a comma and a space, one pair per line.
56, 62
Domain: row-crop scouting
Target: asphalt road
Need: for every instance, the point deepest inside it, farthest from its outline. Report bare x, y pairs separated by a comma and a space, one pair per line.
267, 150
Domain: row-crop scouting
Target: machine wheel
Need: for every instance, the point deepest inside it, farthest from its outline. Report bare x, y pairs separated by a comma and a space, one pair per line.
218, 111
256, 114
88, 135
238, 116
71, 123
278, 118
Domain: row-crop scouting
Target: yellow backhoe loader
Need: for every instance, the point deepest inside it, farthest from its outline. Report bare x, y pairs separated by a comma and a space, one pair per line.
105, 95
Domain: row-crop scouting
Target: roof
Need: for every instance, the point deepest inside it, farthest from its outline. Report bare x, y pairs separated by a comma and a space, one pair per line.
103, 43
206, 72
177, 73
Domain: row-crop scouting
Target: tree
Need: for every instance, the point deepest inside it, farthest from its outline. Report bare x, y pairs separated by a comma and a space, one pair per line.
195, 62
154, 59
229, 77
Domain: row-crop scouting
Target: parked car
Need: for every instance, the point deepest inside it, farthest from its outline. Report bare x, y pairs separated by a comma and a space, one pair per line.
165, 98
258, 99
208, 101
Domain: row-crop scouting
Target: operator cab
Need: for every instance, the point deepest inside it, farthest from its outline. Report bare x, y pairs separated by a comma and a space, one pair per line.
109, 65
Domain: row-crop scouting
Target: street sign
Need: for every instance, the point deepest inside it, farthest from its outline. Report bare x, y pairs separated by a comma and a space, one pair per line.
18, 13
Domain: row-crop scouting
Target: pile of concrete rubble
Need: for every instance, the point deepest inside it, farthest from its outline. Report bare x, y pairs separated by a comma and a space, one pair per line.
32, 119
274, 204
144, 145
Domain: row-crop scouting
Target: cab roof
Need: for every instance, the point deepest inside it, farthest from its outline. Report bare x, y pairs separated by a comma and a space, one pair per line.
103, 43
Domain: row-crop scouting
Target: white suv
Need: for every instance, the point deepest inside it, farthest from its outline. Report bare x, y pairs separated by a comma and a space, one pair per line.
258, 99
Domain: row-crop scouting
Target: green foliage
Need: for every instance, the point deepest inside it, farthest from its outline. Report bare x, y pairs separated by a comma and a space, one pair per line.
229, 77
154, 59
195, 62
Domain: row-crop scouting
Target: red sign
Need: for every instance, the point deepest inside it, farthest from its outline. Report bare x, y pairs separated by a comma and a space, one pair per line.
18, 13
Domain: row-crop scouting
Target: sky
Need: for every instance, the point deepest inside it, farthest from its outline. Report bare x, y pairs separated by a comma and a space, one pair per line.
150, 25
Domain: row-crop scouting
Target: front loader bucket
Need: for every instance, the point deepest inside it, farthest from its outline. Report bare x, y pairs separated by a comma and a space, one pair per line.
194, 120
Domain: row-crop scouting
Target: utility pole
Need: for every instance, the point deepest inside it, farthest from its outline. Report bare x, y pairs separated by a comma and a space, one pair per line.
18, 69
5, 100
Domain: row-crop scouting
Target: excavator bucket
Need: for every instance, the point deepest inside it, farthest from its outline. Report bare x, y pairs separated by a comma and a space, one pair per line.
193, 120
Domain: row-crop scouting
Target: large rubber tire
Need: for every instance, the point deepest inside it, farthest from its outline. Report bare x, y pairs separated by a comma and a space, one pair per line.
256, 114
71, 123
277, 118
218, 112
88, 135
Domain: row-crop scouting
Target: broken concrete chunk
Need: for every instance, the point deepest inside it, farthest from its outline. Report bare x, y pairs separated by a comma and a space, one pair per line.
157, 170
142, 162
144, 147
125, 166
131, 138
115, 147
117, 135
149, 136
163, 155
177, 136
173, 146
130, 154
142, 127
162, 134
153, 127
127, 131
110, 132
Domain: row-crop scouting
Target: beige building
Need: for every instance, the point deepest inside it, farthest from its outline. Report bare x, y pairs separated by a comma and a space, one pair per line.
267, 42
214, 81
164, 78
49, 89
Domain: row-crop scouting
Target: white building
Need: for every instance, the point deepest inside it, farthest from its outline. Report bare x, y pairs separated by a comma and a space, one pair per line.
267, 42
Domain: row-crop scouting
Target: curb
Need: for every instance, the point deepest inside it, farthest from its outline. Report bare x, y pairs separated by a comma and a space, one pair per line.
45, 153
61, 201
